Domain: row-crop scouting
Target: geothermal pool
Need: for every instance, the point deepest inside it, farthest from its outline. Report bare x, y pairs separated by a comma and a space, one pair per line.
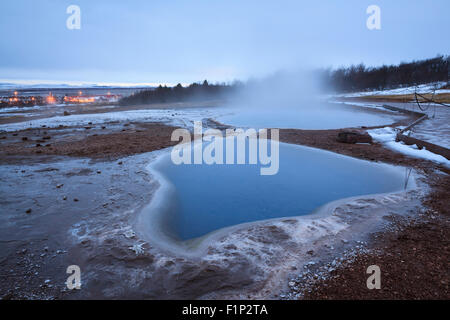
199, 199
320, 116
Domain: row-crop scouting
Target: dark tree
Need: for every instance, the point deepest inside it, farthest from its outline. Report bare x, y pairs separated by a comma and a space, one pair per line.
357, 78
193, 92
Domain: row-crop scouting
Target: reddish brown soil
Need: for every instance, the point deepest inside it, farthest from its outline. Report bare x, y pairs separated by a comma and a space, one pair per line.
94, 142
326, 139
414, 259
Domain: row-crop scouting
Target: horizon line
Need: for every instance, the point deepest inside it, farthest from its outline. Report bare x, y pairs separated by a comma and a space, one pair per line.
37, 82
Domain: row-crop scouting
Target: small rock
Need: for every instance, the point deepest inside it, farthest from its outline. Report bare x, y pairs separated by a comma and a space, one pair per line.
354, 136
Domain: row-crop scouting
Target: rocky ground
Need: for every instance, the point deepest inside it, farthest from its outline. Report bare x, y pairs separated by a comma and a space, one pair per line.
413, 254
105, 141
54, 178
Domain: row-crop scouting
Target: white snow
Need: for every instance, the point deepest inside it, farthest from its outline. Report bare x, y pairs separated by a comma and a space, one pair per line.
424, 88
387, 135
4, 110
12, 114
176, 117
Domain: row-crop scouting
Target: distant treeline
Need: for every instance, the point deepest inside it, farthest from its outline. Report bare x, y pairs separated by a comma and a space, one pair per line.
193, 92
360, 77
345, 79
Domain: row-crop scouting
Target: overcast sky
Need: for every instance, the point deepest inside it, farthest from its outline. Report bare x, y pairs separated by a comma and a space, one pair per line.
171, 41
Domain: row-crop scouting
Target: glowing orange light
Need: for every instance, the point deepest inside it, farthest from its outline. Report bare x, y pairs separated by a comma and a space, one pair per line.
50, 99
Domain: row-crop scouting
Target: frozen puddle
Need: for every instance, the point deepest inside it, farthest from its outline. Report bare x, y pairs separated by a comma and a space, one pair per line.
195, 200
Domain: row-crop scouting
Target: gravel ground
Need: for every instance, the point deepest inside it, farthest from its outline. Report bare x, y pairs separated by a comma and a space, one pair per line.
413, 254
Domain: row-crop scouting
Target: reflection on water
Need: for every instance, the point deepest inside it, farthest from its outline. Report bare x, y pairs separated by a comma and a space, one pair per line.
209, 197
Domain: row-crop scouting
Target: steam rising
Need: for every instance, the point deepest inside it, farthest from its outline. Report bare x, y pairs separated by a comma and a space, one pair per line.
282, 90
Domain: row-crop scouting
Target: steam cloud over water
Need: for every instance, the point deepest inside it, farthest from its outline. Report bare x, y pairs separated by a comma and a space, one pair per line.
280, 91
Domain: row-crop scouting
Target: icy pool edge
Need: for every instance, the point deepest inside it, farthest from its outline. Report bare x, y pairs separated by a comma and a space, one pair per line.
149, 220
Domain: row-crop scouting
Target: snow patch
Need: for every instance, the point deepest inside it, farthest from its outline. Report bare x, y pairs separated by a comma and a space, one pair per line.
423, 88
175, 117
9, 109
387, 135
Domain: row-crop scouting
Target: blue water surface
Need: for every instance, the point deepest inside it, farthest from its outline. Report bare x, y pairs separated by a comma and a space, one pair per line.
316, 116
211, 197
